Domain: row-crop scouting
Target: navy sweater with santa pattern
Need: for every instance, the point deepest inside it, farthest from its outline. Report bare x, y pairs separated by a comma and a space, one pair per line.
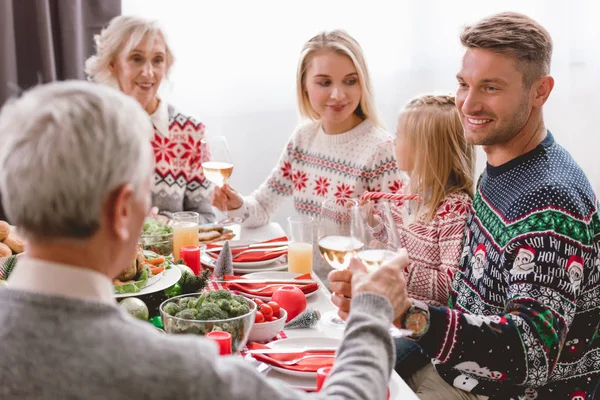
524, 309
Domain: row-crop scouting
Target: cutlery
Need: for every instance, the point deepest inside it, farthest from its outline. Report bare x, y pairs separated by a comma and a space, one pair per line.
268, 250
297, 360
270, 281
249, 246
292, 350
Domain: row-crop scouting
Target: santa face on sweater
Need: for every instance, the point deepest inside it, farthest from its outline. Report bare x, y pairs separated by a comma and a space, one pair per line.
478, 261
334, 91
575, 271
523, 263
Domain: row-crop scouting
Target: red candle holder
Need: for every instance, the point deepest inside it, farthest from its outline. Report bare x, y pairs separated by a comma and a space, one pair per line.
191, 256
223, 340
321, 375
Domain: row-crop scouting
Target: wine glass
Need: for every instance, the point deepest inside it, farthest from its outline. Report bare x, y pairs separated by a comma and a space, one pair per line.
336, 241
219, 168
375, 226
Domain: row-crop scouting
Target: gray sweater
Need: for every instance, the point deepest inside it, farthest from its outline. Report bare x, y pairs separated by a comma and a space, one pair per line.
58, 348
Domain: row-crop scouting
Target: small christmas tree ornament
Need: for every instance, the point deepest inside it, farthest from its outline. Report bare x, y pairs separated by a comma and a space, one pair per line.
7, 267
307, 319
224, 264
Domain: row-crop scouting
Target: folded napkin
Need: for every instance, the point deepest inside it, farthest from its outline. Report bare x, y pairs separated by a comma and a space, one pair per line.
252, 288
308, 365
252, 256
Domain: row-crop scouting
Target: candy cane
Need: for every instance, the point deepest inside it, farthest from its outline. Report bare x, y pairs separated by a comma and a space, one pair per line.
388, 196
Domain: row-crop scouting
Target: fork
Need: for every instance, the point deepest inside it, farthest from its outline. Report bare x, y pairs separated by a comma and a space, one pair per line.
268, 286
270, 250
297, 360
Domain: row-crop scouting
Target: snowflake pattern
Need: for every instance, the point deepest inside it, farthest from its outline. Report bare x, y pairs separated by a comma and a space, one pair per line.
322, 186
286, 170
344, 191
395, 186
163, 148
299, 178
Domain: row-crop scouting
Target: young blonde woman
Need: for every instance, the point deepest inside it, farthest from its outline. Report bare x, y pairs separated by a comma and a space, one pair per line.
344, 149
132, 55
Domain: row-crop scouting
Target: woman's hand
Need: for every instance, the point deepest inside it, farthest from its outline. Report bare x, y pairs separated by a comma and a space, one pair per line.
226, 198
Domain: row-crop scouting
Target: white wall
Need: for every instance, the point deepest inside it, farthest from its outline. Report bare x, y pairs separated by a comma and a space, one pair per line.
236, 63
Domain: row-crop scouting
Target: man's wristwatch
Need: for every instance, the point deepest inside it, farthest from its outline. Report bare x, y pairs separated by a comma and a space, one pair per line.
416, 319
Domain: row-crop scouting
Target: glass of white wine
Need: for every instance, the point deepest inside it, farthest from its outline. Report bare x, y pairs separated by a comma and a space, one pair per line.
336, 240
219, 168
375, 226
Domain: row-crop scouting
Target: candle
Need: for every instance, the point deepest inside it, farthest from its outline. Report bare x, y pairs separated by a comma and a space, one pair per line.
223, 340
321, 375
191, 256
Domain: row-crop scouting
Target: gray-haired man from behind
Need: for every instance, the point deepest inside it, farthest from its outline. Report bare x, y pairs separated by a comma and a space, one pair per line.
75, 173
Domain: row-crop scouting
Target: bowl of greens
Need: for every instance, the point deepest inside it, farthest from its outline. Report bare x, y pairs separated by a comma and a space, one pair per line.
209, 311
157, 236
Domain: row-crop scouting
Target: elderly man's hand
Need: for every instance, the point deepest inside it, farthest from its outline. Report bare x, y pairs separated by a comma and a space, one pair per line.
389, 281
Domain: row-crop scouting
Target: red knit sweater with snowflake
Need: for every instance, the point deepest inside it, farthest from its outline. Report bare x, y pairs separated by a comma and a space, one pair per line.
316, 166
434, 248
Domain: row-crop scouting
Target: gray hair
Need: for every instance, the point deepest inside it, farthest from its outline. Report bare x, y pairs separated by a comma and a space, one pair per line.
123, 33
64, 147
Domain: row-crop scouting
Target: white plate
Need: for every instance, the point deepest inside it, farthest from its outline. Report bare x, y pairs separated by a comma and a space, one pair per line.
271, 275
302, 342
170, 277
398, 389
248, 265
210, 262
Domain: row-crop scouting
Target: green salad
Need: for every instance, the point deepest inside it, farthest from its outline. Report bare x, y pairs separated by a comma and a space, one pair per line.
157, 237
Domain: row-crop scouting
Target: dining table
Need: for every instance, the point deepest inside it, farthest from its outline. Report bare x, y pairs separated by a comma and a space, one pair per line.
320, 301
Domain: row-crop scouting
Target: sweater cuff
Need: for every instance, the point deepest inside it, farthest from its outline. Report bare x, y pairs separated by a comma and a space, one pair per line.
373, 304
241, 212
440, 339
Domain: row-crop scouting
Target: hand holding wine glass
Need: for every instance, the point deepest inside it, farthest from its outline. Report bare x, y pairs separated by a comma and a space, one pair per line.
218, 170
336, 242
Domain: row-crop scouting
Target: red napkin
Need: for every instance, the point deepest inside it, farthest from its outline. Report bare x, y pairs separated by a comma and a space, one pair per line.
308, 365
251, 288
253, 256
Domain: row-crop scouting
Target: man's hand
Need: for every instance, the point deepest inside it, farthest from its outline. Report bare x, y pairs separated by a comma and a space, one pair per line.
388, 281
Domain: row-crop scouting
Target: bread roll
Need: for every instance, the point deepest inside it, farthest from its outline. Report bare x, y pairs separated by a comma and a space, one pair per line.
4, 230
5, 251
16, 244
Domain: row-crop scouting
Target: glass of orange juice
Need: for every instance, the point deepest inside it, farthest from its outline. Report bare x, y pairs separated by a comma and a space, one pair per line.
185, 230
300, 249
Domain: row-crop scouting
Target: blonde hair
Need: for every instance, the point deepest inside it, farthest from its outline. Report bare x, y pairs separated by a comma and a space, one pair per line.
515, 35
123, 33
444, 160
339, 42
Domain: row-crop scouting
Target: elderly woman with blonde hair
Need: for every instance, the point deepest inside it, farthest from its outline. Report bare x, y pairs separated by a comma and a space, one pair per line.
132, 54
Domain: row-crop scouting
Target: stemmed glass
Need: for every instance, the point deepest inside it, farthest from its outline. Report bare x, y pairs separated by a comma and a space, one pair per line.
219, 168
335, 239
375, 226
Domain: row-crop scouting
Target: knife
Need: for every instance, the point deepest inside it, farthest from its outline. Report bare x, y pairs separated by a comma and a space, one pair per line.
249, 246
282, 281
293, 350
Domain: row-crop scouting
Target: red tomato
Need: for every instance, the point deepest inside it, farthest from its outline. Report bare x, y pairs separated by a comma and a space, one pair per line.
259, 318
273, 319
267, 311
291, 299
275, 307
259, 302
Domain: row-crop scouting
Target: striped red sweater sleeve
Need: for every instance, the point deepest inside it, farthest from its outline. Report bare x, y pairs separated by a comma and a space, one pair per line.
434, 248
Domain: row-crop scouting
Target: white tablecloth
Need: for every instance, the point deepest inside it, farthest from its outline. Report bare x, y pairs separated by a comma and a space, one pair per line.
320, 301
